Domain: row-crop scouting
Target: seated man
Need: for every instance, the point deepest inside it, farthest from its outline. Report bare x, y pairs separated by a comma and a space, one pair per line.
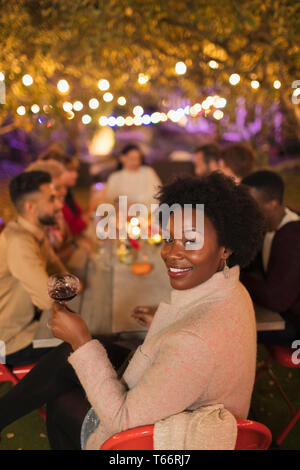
278, 289
26, 261
72, 251
237, 161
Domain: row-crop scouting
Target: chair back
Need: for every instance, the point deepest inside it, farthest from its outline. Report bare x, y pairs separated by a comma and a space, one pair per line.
251, 436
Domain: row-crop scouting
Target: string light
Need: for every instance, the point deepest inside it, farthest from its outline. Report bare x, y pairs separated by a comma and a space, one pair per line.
219, 102
137, 121
77, 106
234, 79
63, 86
108, 97
180, 68
120, 121
94, 103
143, 79
122, 100
35, 108
277, 84
213, 64
146, 119
255, 84
2, 77
111, 121
86, 119
67, 106
70, 115
21, 110
103, 121
218, 114
139, 118
138, 110
103, 85
27, 80
129, 121
155, 118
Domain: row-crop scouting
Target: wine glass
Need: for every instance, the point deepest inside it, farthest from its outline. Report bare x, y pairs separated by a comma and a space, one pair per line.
63, 287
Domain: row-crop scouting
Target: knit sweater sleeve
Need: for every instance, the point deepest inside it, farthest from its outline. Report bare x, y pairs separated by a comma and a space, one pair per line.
179, 374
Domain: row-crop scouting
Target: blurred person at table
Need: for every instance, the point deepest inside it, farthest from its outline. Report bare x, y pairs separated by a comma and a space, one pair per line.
237, 161
26, 262
135, 180
76, 218
186, 361
206, 159
277, 285
70, 249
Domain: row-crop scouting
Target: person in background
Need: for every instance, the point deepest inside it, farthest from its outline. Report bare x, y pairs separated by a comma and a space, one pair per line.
237, 161
278, 286
206, 159
69, 248
27, 260
135, 180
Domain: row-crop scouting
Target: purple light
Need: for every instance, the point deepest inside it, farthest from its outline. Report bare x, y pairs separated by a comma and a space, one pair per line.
99, 186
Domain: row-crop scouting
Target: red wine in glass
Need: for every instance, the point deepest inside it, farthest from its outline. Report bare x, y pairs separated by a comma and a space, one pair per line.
63, 287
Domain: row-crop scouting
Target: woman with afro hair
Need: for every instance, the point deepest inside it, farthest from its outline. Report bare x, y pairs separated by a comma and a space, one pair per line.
201, 346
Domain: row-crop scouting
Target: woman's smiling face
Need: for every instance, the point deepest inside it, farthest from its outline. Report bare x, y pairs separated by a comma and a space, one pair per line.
190, 267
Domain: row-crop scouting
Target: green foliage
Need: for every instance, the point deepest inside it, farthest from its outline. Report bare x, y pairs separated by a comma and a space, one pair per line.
85, 40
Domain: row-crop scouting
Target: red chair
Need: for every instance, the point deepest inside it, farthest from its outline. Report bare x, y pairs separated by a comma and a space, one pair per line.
251, 436
14, 375
283, 356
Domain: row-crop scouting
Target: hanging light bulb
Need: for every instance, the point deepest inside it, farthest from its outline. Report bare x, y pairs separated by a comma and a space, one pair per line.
143, 79
213, 64
35, 108
218, 114
234, 79
27, 80
121, 100
276, 84
63, 86
86, 119
138, 111
103, 85
77, 106
94, 103
255, 84
108, 97
67, 106
21, 110
180, 68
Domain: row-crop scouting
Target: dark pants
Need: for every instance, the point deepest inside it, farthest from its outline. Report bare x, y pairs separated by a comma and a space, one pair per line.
26, 356
53, 381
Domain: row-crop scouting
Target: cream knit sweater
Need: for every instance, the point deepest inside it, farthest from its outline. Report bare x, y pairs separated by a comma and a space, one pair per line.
200, 350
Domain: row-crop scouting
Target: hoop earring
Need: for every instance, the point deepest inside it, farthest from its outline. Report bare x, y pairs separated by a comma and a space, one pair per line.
226, 270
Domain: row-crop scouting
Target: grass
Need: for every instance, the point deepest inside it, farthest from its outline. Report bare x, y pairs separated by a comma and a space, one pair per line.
29, 432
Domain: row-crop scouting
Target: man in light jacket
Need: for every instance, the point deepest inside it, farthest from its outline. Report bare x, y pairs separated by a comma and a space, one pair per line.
27, 260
